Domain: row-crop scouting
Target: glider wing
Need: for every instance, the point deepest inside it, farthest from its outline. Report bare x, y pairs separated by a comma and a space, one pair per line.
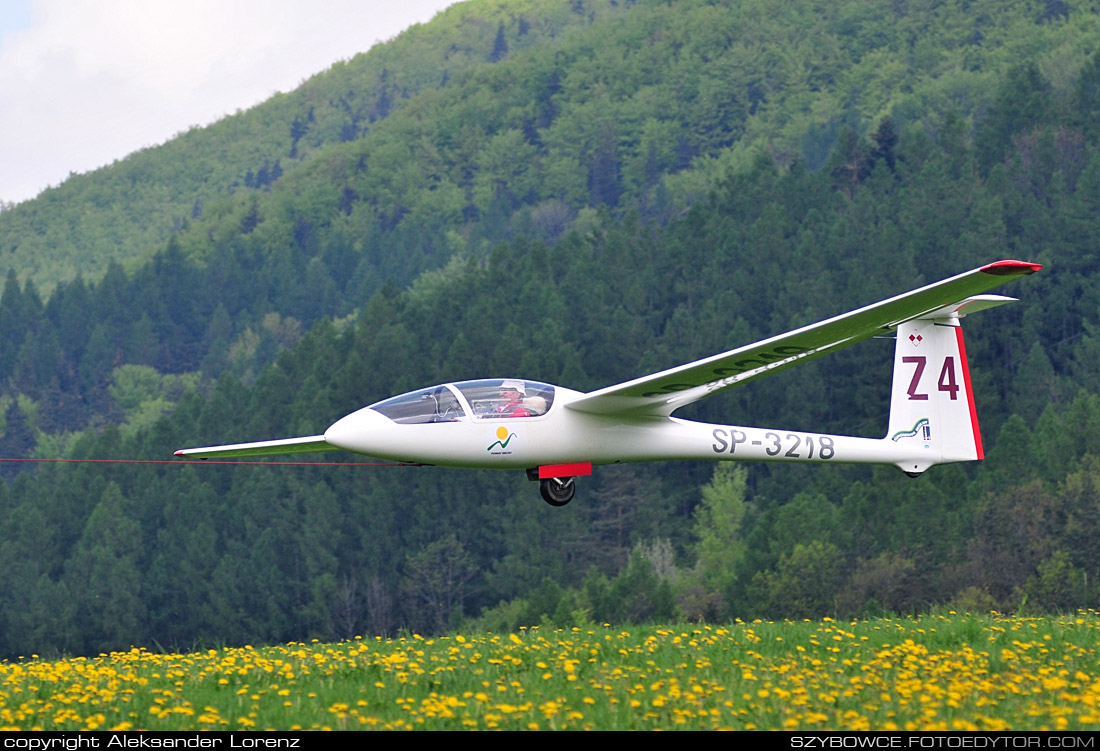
308, 445
662, 393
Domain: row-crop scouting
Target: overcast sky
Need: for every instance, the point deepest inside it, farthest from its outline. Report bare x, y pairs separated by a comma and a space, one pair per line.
86, 82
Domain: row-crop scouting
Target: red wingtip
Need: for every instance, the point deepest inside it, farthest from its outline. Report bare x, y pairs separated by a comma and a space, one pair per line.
1011, 268
178, 453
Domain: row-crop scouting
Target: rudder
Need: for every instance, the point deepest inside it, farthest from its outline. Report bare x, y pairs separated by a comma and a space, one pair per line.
932, 411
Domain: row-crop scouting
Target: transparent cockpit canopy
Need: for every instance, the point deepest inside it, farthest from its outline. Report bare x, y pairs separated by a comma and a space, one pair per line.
490, 398
507, 397
435, 404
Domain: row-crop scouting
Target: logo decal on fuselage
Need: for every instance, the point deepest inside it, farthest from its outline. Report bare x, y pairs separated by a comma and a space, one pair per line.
503, 439
923, 428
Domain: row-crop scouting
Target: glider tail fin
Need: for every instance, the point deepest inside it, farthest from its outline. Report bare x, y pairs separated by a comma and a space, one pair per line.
932, 413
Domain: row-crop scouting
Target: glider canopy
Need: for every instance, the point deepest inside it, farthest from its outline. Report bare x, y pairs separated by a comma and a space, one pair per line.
468, 400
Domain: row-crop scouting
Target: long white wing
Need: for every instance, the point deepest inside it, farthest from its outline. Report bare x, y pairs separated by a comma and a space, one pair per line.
308, 445
662, 393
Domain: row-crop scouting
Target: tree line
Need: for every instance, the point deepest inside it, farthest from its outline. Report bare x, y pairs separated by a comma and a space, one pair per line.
581, 249
99, 557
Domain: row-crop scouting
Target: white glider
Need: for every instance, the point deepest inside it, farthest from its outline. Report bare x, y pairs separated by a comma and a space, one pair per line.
557, 434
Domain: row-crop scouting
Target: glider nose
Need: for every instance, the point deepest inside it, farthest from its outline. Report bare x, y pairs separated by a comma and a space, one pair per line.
361, 431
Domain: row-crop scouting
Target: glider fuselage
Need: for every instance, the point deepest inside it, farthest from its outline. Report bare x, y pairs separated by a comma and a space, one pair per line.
564, 436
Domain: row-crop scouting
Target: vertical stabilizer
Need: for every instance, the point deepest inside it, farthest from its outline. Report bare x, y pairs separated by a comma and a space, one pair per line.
932, 412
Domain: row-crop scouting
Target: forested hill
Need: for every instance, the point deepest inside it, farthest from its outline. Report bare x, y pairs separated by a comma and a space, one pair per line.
125, 212
505, 117
646, 185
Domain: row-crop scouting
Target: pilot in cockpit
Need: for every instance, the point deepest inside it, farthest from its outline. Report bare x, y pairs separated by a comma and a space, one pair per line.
511, 400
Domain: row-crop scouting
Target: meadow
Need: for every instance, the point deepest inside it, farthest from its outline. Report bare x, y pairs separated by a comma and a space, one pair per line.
941, 672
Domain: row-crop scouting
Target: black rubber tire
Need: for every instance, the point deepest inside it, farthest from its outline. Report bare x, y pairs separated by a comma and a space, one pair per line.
557, 491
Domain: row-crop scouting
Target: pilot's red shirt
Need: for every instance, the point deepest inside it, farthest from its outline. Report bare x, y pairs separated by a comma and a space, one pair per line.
508, 411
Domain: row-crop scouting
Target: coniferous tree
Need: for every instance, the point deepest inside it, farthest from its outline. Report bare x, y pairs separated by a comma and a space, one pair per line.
500, 46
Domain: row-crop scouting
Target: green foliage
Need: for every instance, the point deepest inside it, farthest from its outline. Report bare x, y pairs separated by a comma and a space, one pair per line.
720, 546
802, 584
623, 190
1058, 585
204, 175
103, 573
630, 105
636, 595
143, 395
435, 580
502, 618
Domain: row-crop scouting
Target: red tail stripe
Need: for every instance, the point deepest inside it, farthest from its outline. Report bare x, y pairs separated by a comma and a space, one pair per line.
969, 394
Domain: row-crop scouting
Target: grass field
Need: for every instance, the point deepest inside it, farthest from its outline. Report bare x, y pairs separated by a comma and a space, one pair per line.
952, 672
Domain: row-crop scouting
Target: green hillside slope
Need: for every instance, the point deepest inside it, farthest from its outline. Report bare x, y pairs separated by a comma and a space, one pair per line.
618, 200
126, 211
499, 118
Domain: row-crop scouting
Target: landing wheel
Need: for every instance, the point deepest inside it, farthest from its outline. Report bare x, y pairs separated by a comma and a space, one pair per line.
557, 491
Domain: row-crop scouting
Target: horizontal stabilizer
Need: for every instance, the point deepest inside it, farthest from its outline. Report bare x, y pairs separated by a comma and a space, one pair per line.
966, 307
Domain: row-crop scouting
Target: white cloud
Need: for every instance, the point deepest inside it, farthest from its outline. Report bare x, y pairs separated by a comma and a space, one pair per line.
89, 82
